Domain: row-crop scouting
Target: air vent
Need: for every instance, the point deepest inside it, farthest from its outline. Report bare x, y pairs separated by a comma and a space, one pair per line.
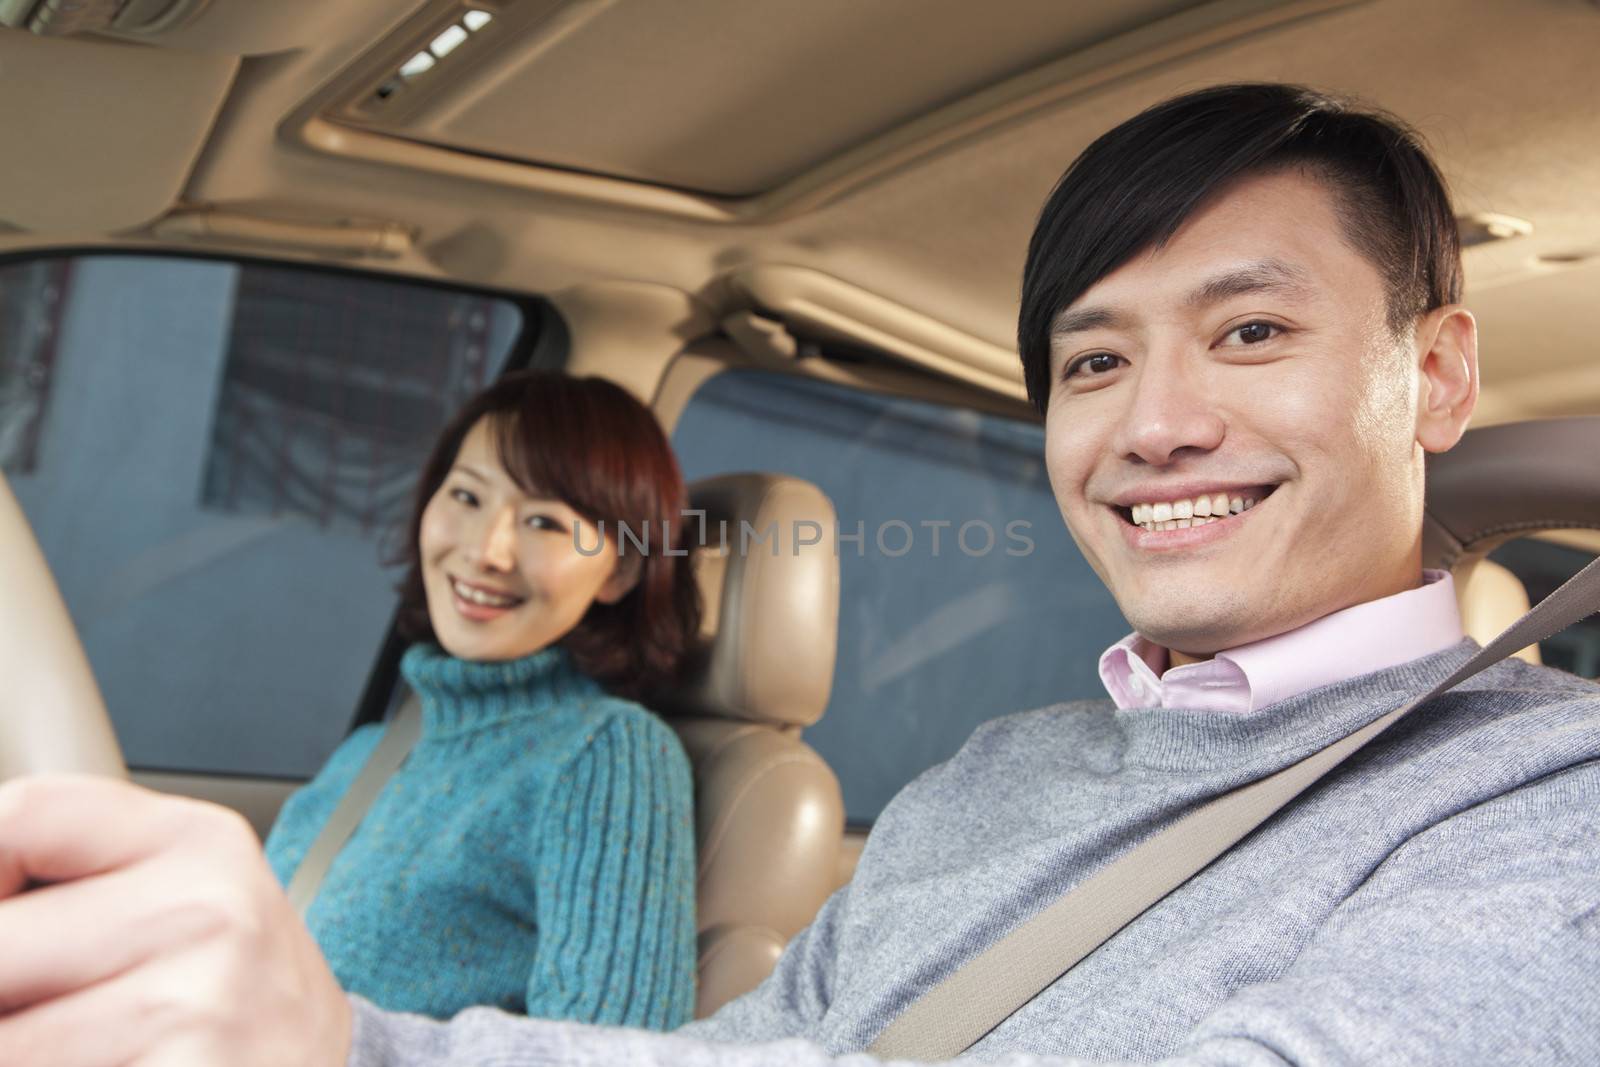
450, 43
1486, 227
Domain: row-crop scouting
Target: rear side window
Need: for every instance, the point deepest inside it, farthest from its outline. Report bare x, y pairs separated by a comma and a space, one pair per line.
216, 458
964, 599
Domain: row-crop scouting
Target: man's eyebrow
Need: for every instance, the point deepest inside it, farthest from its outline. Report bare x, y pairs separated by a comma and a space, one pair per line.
1076, 320
1267, 276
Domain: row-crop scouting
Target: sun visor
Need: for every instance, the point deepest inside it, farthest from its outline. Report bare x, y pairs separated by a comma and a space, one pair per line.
83, 106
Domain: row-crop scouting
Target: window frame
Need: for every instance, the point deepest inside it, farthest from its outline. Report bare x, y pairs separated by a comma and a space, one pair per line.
543, 336
700, 361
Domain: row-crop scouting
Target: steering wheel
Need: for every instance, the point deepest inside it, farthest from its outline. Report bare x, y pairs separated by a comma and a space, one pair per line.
52, 717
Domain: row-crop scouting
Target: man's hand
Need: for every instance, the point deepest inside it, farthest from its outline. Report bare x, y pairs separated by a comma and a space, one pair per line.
140, 930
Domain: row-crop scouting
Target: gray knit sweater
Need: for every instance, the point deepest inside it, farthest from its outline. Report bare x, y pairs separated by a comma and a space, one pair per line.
1435, 900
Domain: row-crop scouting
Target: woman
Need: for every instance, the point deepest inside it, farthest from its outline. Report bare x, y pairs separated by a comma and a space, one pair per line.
535, 852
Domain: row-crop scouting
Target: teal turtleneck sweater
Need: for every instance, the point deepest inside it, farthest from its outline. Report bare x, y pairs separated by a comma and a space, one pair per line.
535, 852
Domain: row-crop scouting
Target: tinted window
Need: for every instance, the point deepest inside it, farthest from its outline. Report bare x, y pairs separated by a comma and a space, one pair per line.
30, 321
1001, 616
214, 458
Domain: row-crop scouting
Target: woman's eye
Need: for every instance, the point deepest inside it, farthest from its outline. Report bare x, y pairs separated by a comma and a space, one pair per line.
1252, 333
463, 496
1093, 363
543, 522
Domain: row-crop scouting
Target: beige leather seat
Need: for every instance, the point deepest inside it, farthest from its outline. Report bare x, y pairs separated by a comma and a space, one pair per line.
768, 811
1500, 483
1492, 598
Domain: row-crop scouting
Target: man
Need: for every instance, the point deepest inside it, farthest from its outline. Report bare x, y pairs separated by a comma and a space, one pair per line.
1240, 319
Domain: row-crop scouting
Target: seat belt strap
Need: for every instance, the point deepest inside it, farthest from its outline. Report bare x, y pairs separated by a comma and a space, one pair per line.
955, 1014
392, 749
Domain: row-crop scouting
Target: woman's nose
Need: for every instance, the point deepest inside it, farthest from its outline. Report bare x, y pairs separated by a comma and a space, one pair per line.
496, 547
1170, 414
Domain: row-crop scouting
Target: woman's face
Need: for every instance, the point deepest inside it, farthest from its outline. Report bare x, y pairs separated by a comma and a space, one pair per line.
500, 567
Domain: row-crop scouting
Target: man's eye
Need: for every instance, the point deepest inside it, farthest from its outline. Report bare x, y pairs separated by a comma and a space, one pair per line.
1252, 333
1093, 363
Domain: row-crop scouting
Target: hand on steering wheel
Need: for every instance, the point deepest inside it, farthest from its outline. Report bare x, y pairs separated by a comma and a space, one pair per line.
135, 929
146, 929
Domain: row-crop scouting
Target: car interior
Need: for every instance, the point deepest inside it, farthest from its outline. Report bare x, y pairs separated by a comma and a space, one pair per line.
823, 204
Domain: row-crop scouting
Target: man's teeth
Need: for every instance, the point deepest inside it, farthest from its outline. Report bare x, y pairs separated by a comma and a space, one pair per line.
478, 596
1182, 514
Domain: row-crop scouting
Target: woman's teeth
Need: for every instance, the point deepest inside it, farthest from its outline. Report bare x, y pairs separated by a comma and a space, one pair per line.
1182, 514
478, 596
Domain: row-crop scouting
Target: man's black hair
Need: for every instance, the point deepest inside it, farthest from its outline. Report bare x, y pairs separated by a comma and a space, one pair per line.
1133, 188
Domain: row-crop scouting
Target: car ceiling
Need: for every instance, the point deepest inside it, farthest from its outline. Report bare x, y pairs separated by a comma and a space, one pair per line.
865, 170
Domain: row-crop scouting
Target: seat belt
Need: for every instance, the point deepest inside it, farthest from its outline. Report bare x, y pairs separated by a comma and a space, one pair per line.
980, 995
392, 749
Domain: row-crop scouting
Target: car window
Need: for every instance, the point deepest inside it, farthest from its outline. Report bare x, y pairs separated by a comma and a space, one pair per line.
1000, 614
215, 458
1542, 565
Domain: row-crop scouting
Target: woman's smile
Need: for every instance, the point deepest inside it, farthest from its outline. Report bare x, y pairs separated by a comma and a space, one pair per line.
481, 603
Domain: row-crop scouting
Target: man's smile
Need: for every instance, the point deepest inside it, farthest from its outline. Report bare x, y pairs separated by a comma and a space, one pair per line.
1156, 510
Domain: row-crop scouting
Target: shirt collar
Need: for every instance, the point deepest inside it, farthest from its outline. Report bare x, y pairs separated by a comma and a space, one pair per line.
1346, 644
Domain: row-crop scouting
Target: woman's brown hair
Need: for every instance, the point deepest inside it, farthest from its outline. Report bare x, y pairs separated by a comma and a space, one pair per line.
590, 444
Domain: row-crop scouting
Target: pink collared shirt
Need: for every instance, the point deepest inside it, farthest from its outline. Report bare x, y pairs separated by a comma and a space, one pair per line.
1358, 640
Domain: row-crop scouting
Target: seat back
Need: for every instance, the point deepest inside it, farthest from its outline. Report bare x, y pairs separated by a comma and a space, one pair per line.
768, 812
1499, 483
1492, 598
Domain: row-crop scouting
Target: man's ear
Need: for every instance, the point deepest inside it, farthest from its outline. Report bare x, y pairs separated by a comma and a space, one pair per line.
1447, 371
624, 576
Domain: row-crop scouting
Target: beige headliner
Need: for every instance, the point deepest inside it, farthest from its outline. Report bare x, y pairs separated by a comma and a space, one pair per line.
900, 222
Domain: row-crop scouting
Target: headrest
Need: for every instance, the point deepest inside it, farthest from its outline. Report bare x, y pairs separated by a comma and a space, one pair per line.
769, 574
1505, 481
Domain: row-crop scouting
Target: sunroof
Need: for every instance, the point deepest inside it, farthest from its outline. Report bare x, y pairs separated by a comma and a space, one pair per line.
657, 93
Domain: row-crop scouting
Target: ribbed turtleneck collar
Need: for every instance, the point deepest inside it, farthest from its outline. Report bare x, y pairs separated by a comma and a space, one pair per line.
1189, 738
460, 694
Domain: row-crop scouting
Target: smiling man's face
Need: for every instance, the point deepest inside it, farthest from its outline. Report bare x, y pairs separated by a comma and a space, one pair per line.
1249, 358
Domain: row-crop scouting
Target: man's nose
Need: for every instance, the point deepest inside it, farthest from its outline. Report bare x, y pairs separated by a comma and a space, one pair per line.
1171, 413
497, 541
